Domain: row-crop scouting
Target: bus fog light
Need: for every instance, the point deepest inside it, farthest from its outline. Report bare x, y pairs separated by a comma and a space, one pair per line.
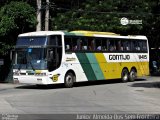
16, 73
16, 81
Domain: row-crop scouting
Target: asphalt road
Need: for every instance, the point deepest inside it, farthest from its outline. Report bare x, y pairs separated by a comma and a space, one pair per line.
103, 97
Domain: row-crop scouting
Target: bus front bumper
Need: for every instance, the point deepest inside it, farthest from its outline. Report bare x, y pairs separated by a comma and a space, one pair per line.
32, 80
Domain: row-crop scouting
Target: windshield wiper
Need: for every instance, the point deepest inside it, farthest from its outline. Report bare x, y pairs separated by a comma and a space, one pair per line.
32, 65
29, 59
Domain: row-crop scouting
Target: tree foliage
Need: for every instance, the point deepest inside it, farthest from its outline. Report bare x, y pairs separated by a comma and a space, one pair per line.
15, 18
105, 15
18, 16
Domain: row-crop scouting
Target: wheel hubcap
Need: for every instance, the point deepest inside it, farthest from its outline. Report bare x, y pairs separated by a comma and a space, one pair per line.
133, 74
125, 77
69, 79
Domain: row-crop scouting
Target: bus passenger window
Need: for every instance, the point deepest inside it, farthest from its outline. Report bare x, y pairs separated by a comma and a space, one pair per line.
138, 46
84, 48
126, 45
74, 44
68, 43
55, 40
112, 46
99, 48
98, 44
79, 44
104, 44
144, 46
118, 45
85, 44
67, 47
135, 46
91, 44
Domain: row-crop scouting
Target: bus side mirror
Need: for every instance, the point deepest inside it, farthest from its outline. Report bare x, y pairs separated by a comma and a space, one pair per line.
1, 62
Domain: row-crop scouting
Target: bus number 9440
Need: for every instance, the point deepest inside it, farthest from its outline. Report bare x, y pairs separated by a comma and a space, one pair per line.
142, 56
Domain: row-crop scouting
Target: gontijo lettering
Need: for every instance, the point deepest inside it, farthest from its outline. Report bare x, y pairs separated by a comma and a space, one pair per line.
119, 57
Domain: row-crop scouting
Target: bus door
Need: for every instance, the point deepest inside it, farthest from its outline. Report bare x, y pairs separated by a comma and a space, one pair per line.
54, 52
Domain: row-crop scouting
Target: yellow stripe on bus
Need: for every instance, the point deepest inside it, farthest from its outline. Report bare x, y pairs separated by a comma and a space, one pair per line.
103, 64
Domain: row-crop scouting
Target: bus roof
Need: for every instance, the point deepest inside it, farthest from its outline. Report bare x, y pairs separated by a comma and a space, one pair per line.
105, 34
41, 33
82, 33
92, 33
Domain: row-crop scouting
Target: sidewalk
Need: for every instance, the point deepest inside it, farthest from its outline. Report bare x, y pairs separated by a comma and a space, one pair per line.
7, 86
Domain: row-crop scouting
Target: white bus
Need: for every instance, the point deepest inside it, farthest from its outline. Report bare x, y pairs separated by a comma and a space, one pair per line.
52, 57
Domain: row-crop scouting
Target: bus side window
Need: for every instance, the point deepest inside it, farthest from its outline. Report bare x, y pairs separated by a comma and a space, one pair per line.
79, 44
138, 48
121, 46
67, 47
68, 43
135, 45
56, 40
91, 44
104, 45
112, 46
74, 44
126, 45
118, 45
85, 44
98, 44
144, 46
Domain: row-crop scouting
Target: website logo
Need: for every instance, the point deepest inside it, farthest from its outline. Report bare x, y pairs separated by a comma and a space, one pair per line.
126, 21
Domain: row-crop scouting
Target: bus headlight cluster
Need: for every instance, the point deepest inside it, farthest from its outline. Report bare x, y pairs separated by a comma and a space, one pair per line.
16, 73
40, 74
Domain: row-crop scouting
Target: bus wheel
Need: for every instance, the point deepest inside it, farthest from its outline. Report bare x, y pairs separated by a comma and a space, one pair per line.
69, 80
132, 75
125, 75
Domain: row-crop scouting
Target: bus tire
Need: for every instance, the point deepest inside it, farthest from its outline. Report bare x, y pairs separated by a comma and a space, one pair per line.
125, 75
132, 75
69, 80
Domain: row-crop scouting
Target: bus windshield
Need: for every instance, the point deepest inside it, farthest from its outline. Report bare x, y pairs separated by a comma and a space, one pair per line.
26, 41
30, 58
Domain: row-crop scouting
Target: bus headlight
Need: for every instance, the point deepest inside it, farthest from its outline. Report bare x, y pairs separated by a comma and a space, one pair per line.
16, 73
16, 81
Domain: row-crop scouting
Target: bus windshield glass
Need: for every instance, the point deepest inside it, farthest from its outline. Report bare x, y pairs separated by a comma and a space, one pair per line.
30, 58
26, 41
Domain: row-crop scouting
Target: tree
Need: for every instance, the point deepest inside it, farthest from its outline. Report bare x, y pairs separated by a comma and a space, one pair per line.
105, 15
15, 18
96, 15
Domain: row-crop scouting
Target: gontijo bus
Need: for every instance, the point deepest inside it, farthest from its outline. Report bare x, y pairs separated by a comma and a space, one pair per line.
52, 57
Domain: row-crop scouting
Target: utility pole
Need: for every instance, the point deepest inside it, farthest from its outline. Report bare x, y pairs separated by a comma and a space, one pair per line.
47, 16
39, 15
